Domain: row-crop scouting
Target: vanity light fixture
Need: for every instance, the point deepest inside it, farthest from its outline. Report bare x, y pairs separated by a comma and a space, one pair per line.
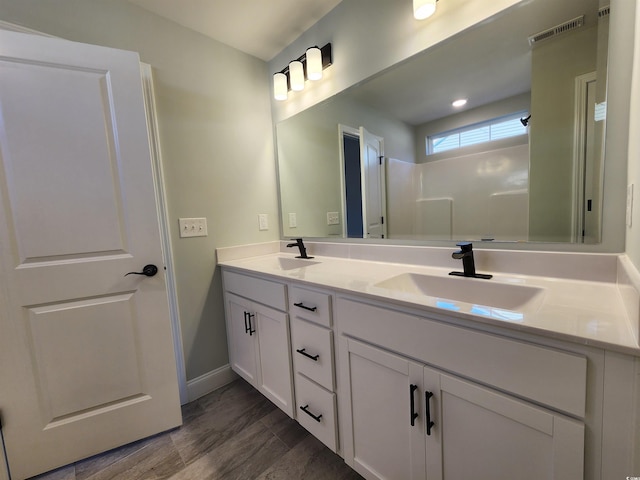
296, 75
314, 63
461, 102
308, 67
280, 87
423, 8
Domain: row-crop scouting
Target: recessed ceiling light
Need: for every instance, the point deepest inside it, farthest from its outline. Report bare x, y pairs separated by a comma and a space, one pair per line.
459, 103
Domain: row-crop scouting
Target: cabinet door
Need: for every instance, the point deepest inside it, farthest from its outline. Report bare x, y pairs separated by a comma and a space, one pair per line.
242, 349
274, 379
380, 440
481, 434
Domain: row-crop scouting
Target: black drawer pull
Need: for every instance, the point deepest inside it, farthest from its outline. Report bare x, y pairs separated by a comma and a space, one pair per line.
302, 305
301, 351
412, 401
430, 424
305, 409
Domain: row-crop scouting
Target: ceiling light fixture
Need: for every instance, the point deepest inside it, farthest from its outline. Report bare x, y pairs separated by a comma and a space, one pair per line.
423, 8
459, 103
308, 67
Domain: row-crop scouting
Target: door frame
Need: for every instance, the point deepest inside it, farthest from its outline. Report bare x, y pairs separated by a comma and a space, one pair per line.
163, 221
579, 154
163, 215
347, 131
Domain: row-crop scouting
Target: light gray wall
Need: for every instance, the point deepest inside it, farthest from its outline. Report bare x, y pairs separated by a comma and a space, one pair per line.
216, 138
633, 232
369, 36
556, 63
308, 160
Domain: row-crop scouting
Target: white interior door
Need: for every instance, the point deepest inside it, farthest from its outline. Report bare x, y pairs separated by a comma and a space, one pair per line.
373, 185
86, 354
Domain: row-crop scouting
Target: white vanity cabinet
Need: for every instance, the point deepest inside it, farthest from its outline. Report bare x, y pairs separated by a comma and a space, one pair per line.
313, 361
258, 335
403, 418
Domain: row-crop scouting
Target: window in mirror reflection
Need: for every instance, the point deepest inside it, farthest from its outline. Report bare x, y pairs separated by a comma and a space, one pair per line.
495, 129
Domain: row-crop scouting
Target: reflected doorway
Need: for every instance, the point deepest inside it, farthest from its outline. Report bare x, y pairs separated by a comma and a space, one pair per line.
363, 182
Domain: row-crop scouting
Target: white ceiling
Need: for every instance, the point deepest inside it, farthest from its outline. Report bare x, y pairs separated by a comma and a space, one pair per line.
262, 28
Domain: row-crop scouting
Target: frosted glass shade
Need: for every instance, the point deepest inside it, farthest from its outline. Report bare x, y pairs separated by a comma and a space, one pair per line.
280, 86
296, 75
423, 8
314, 63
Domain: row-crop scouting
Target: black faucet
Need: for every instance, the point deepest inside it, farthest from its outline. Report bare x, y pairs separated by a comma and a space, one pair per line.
468, 265
300, 245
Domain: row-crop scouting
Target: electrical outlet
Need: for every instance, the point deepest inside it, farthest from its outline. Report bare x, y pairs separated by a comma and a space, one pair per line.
629, 204
263, 221
333, 218
293, 222
193, 227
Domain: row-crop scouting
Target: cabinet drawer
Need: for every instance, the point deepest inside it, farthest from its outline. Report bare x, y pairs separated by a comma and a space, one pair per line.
259, 290
310, 305
312, 350
316, 411
542, 374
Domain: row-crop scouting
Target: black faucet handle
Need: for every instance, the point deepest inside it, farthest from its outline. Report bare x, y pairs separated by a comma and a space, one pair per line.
300, 244
465, 246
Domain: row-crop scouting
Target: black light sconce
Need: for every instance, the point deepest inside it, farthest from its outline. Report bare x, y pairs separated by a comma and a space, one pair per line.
307, 67
525, 121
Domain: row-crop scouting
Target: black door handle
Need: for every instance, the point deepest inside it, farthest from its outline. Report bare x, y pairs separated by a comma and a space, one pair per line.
412, 402
430, 424
248, 328
147, 271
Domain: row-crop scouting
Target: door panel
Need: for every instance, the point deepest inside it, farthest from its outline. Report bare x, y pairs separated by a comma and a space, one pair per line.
383, 443
104, 337
497, 435
373, 185
242, 350
86, 354
70, 115
275, 357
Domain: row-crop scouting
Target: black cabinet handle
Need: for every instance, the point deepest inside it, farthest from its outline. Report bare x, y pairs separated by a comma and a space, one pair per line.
412, 400
147, 271
305, 409
302, 305
302, 351
430, 424
247, 323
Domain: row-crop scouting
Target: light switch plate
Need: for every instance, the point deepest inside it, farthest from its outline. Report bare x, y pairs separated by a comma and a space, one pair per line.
193, 227
263, 221
293, 221
333, 218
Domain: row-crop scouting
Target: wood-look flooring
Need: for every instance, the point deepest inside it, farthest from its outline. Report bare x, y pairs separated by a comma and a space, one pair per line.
233, 433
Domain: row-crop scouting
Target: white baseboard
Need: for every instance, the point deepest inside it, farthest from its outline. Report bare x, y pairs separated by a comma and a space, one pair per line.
210, 381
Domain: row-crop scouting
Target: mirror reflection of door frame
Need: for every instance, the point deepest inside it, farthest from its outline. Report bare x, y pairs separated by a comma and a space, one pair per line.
357, 211
586, 164
351, 199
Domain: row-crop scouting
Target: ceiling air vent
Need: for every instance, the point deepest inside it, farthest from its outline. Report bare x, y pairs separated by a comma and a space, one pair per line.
604, 11
557, 30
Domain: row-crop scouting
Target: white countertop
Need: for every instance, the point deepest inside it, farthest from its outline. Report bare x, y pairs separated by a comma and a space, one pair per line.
584, 312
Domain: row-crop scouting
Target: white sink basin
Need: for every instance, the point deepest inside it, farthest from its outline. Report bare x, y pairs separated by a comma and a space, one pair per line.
288, 263
469, 290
